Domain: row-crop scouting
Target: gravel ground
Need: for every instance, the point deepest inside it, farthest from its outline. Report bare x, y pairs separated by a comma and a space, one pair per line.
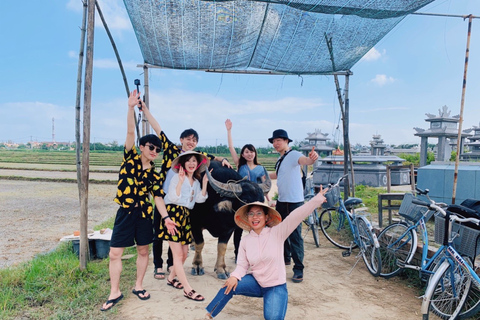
35, 215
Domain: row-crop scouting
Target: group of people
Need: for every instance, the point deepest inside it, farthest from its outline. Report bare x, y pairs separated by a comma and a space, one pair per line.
274, 235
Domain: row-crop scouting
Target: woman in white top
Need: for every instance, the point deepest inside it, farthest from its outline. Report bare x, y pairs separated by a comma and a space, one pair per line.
183, 192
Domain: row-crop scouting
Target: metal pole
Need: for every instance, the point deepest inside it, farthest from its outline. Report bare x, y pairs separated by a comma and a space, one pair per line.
412, 176
117, 55
462, 104
146, 99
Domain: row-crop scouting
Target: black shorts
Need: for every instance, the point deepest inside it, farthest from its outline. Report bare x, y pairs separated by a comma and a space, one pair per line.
131, 228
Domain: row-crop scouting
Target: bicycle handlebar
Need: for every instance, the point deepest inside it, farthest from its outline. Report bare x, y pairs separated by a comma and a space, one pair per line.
338, 181
439, 207
454, 217
422, 191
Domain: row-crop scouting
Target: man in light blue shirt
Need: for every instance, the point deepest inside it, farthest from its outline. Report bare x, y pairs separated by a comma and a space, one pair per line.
290, 194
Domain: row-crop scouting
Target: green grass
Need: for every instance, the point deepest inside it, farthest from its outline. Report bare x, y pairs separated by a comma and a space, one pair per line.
52, 286
59, 157
97, 158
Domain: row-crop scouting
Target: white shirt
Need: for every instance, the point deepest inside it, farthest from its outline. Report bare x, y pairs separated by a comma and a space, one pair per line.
289, 179
189, 194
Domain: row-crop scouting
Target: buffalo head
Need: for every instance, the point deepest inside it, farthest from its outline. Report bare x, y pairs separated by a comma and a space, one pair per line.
244, 190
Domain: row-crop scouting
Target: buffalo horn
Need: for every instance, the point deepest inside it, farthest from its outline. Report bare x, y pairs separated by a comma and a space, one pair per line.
266, 185
230, 189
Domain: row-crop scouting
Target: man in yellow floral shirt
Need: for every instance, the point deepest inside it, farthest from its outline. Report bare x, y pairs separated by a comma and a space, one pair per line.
133, 223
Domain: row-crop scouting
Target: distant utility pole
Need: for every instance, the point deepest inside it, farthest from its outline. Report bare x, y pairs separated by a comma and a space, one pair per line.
53, 130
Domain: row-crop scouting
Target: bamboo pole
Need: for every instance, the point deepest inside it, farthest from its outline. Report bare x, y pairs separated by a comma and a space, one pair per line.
344, 109
83, 250
462, 104
77, 100
350, 182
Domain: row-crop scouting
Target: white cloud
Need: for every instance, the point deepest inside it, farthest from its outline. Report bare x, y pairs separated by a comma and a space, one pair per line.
33, 120
75, 5
381, 80
113, 11
373, 55
105, 63
376, 110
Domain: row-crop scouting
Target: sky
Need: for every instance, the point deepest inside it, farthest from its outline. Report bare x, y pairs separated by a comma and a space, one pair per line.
416, 69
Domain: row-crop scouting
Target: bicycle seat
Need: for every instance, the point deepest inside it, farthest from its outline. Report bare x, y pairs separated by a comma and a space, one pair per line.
350, 202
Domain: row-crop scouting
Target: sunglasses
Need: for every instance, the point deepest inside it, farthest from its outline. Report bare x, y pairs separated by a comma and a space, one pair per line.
152, 147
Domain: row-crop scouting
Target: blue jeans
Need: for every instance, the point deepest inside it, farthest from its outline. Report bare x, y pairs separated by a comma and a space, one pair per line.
293, 246
275, 299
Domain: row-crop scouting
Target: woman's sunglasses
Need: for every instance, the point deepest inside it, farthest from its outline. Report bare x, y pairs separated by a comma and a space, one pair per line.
152, 147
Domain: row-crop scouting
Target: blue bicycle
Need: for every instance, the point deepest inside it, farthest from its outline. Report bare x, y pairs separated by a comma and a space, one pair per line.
399, 241
398, 244
453, 291
348, 230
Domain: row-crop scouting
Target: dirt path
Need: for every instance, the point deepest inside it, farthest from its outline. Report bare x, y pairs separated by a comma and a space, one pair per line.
329, 291
35, 215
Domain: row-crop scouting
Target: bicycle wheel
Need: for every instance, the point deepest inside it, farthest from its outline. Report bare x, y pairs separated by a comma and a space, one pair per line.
312, 222
398, 243
472, 304
370, 253
336, 228
314, 226
447, 290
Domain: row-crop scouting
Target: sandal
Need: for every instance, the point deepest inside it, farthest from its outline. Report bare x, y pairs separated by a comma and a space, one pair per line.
113, 302
193, 295
141, 292
175, 283
159, 275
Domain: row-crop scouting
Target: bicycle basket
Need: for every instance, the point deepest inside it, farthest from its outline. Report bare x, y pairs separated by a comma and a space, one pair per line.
466, 241
332, 197
411, 211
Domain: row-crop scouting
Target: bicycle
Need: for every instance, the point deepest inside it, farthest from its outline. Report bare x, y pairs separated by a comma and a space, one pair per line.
348, 230
399, 240
453, 289
312, 222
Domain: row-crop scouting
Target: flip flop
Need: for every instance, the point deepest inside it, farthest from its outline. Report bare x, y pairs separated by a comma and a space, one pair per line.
139, 292
113, 302
159, 275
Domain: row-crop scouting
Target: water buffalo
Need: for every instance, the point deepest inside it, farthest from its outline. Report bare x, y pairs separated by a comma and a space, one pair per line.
227, 191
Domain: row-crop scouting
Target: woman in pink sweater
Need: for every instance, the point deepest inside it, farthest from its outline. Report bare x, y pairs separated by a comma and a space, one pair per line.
260, 270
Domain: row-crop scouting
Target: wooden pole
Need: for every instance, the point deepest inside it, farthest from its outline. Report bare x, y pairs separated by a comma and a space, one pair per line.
351, 182
462, 104
77, 100
344, 108
83, 250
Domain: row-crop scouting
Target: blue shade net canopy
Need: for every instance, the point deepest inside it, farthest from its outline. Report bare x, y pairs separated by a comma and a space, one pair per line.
286, 37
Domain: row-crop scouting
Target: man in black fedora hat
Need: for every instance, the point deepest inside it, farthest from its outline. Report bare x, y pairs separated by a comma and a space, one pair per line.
290, 194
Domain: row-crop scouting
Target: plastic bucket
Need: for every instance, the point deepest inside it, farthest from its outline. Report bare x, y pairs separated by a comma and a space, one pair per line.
102, 248
91, 248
